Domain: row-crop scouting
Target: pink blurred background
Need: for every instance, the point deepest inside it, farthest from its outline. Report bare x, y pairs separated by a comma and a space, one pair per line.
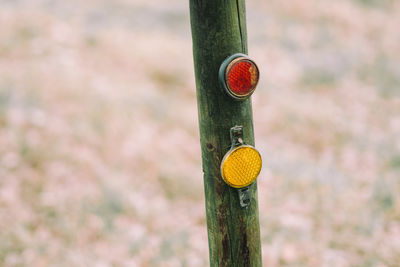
99, 147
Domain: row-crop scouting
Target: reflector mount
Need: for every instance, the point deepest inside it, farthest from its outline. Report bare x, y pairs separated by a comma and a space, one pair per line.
239, 76
241, 166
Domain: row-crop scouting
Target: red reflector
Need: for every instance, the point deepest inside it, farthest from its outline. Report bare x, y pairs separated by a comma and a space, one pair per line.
241, 77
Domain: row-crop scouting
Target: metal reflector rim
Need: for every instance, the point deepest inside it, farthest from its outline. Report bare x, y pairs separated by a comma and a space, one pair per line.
230, 153
228, 69
222, 75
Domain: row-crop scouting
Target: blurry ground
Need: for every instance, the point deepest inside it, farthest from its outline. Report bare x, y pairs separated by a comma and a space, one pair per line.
99, 146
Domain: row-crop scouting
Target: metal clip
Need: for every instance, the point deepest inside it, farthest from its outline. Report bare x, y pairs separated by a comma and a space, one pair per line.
244, 197
237, 136
237, 140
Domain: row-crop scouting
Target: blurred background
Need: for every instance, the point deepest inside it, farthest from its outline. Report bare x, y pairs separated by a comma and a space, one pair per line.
99, 147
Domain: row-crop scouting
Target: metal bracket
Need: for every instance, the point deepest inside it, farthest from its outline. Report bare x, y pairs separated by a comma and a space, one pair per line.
244, 197
237, 140
221, 74
237, 136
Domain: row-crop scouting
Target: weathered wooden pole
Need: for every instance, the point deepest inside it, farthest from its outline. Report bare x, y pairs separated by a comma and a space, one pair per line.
219, 30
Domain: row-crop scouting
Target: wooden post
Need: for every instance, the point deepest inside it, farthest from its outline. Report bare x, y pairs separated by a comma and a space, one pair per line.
218, 31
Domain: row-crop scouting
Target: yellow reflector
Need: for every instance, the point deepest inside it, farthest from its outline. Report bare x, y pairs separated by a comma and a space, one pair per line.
241, 166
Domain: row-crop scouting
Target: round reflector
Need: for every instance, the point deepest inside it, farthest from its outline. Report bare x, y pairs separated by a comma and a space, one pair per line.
240, 76
241, 166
